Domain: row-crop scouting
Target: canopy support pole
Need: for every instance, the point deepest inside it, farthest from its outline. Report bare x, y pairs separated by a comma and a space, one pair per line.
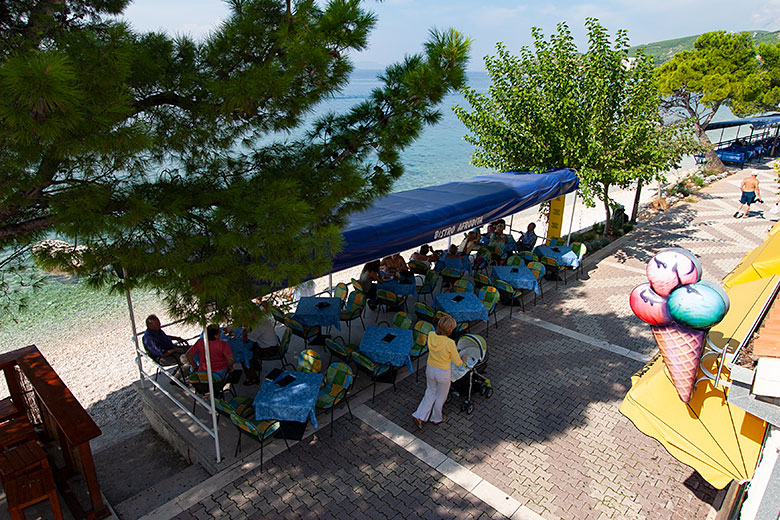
571, 222
511, 221
207, 353
720, 141
330, 283
135, 330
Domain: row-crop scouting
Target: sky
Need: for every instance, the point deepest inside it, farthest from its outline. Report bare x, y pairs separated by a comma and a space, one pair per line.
403, 25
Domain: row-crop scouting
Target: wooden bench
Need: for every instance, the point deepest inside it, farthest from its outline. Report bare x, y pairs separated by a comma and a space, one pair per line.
27, 479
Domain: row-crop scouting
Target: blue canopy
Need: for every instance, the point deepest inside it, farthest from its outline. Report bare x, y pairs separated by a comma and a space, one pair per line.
408, 219
755, 122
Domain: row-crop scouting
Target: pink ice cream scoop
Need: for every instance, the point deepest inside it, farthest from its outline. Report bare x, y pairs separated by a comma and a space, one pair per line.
649, 306
672, 268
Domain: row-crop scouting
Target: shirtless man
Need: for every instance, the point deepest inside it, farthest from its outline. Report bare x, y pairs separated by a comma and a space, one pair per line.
750, 194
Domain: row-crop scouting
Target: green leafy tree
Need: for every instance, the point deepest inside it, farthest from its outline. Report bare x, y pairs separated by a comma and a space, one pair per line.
185, 164
596, 112
721, 70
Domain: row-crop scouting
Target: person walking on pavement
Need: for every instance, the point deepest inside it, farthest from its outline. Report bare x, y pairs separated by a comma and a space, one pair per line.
750, 194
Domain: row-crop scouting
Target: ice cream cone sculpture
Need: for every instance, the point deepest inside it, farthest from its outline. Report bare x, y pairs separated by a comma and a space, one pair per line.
680, 308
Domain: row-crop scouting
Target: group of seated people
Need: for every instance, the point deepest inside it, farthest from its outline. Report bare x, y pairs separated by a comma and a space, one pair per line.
258, 343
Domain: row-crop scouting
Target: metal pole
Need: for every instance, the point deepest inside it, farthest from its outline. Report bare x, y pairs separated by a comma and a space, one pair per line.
207, 353
511, 221
571, 223
135, 330
330, 283
720, 141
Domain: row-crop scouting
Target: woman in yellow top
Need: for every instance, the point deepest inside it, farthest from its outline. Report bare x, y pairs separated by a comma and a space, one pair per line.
441, 352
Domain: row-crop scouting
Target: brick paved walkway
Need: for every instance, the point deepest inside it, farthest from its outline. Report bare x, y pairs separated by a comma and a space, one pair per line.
551, 437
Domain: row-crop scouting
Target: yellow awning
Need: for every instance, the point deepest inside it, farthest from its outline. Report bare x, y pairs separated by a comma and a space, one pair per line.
720, 441
761, 262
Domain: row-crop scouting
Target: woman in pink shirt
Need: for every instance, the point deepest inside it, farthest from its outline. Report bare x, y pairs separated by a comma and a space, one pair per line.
220, 353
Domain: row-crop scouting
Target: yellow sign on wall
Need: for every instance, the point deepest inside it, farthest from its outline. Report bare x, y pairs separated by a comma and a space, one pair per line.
555, 222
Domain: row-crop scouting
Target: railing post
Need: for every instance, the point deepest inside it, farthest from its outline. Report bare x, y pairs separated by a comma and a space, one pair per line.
207, 353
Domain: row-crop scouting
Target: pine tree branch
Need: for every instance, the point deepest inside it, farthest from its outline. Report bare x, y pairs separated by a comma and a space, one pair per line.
162, 99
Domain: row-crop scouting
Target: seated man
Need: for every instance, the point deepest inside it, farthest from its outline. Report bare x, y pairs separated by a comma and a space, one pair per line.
528, 239
424, 255
161, 346
394, 264
220, 354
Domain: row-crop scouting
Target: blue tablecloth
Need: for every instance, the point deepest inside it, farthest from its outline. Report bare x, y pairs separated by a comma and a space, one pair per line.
294, 402
522, 279
563, 256
395, 352
242, 352
446, 262
400, 289
467, 309
310, 315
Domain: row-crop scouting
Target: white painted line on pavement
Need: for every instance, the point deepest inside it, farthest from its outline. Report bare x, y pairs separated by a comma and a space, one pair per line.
462, 476
573, 334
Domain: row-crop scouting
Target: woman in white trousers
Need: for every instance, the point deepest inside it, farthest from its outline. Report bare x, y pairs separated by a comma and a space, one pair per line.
441, 352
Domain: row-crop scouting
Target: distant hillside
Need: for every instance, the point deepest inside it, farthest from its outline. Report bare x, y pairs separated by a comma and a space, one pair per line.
663, 51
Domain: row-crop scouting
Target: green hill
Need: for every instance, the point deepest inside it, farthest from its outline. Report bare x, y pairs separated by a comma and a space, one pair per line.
663, 51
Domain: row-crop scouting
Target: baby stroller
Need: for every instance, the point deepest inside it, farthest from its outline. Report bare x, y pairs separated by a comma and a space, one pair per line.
468, 378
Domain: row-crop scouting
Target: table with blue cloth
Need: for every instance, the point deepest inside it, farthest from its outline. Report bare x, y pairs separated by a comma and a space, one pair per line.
561, 254
463, 306
518, 276
294, 402
400, 287
447, 262
313, 311
242, 351
394, 352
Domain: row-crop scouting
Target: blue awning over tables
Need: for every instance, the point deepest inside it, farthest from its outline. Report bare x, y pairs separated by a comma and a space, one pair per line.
407, 219
755, 122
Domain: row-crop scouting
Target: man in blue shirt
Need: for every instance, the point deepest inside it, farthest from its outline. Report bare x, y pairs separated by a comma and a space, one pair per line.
161, 346
528, 240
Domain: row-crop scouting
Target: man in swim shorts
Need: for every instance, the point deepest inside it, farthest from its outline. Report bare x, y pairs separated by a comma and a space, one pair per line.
750, 194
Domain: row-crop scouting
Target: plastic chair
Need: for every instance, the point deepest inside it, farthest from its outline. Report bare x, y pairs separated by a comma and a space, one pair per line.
338, 348
555, 242
356, 303
538, 270
338, 379
341, 291
420, 346
241, 405
528, 257
401, 320
260, 430
551, 266
424, 312
357, 285
389, 300
417, 267
429, 284
482, 260
506, 290
489, 297
515, 260
282, 346
480, 280
462, 286
580, 250
279, 315
374, 369
460, 328
306, 333
309, 361
450, 275
200, 383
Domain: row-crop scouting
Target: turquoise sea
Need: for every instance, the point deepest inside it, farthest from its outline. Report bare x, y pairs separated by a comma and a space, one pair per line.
438, 156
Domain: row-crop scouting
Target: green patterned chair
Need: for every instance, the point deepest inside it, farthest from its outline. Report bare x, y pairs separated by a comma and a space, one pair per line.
489, 297
462, 286
309, 361
279, 315
338, 379
509, 293
356, 303
260, 430
420, 346
424, 312
341, 291
483, 259
515, 260
528, 257
303, 332
282, 346
401, 320
481, 280
241, 405
338, 348
460, 328
551, 266
375, 370
429, 284
450, 275
555, 242
538, 270
580, 250
389, 300
417, 267
357, 285
200, 383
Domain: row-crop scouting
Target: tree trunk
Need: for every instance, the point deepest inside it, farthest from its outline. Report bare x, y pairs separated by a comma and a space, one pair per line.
608, 222
714, 164
635, 209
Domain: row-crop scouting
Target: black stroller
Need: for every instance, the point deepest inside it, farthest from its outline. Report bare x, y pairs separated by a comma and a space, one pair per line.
468, 378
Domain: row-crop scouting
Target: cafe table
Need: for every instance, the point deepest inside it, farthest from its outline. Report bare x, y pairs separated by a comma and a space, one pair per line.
463, 306
322, 311
400, 287
292, 404
561, 254
519, 277
387, 346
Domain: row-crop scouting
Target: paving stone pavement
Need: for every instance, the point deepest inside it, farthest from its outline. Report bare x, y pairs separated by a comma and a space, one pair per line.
551, 437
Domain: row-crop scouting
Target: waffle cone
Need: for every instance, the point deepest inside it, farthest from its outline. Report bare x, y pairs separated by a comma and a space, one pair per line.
681, 349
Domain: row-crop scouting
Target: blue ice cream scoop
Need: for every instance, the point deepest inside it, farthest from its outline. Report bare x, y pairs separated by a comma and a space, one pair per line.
699, 305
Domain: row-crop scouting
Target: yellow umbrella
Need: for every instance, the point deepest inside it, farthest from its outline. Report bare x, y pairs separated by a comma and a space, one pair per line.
761, 262
720, 441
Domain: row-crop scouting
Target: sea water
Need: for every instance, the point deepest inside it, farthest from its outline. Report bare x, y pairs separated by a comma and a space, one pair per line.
439, 155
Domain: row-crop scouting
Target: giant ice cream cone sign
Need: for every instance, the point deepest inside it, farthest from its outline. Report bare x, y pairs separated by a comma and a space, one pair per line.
680, 308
